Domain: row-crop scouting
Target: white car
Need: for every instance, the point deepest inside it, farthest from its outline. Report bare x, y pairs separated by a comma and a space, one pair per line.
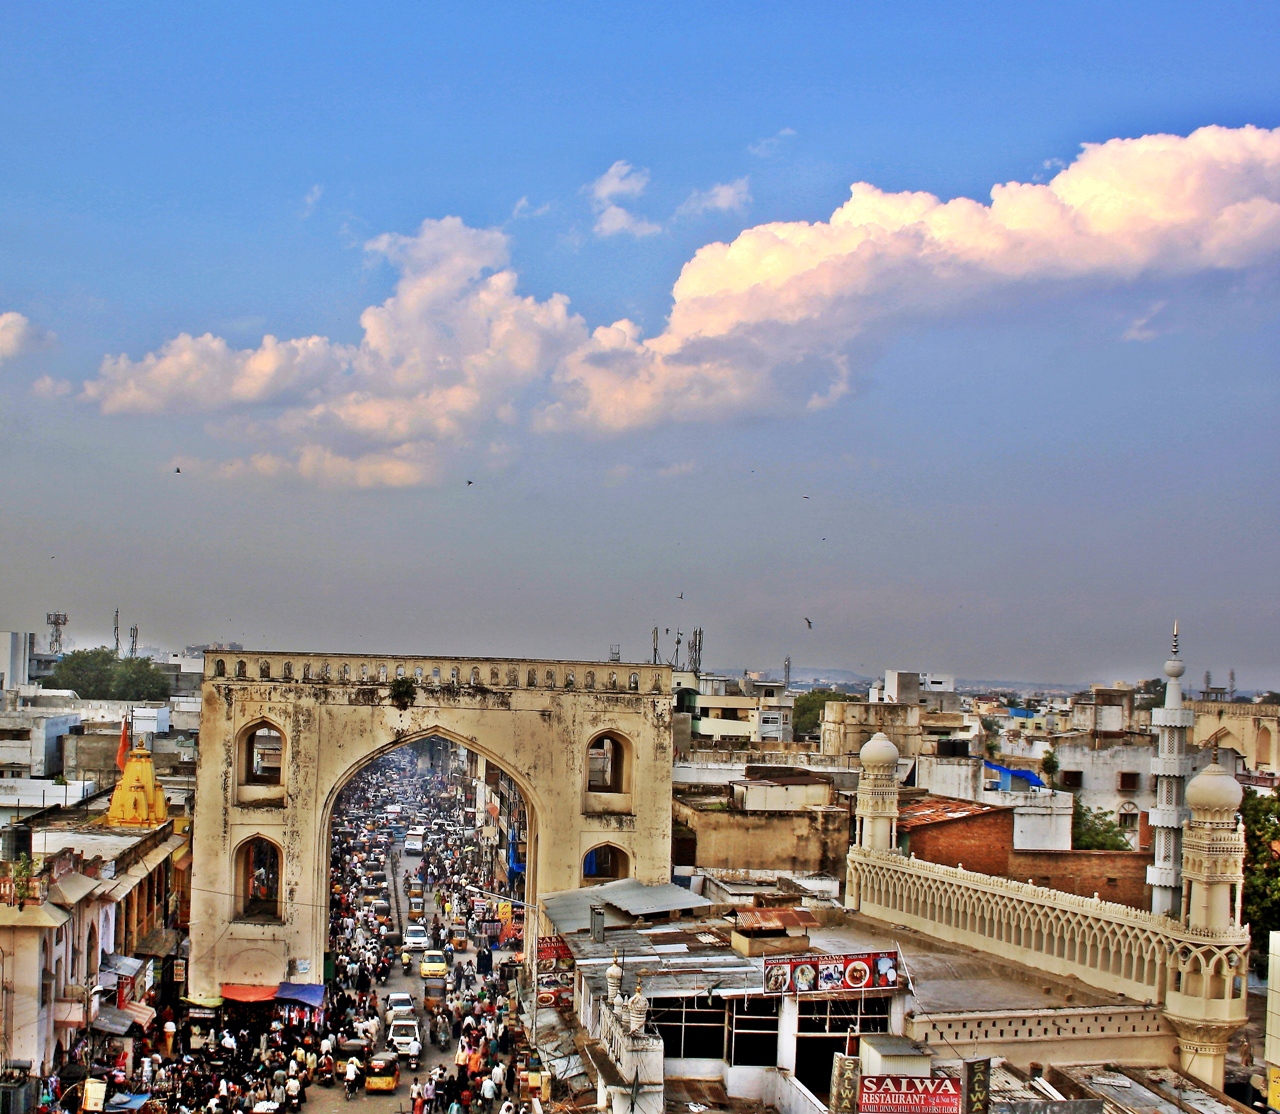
400, 1006
402, 1033
415, 938
413, 845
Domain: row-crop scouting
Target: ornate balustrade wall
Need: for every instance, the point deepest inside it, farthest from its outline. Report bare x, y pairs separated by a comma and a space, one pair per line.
1115, 948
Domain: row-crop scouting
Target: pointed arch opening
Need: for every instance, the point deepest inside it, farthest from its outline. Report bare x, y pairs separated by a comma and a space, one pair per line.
610, 759
605, 862
260, 765
258, 870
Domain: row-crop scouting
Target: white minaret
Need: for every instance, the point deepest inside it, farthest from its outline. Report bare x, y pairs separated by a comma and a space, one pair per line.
877, 812
1170, 767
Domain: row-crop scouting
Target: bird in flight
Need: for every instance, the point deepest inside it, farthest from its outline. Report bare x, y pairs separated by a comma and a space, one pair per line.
177, 471
470, 482
809, 623
680, 596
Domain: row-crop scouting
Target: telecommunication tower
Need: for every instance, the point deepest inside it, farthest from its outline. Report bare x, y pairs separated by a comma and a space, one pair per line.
56, 620
116, 629
786, 672
695, 651
133, 641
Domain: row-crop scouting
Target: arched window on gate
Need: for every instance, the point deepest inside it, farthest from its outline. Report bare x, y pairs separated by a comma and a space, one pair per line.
263, 757
605, 864
258, 871
607, 766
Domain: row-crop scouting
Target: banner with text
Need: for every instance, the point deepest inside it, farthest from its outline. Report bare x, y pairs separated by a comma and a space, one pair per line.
909, 1094
806, 974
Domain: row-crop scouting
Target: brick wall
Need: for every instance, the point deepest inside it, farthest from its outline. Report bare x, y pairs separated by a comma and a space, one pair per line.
982, 842
1113, 875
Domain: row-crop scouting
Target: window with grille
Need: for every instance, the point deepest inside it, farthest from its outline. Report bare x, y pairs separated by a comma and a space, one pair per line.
690, 1028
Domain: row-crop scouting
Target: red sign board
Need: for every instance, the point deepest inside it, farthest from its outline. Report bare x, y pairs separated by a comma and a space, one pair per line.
805, 974
909, 1094
555, 971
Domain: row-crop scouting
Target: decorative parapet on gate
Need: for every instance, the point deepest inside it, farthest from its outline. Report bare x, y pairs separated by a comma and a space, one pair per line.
1193, 973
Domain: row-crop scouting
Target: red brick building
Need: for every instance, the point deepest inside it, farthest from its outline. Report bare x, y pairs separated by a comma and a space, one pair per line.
979, 837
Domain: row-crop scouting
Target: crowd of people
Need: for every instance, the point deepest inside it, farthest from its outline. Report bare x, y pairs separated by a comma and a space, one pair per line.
264, 1058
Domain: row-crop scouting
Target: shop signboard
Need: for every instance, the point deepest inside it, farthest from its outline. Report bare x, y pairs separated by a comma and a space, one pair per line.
909, 1094
807, 974
555, 971
124, 991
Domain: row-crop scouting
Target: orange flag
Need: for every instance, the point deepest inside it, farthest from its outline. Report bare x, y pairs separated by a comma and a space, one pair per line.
122, 752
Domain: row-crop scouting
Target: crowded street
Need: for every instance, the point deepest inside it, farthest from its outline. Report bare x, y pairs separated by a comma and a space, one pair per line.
419, 1008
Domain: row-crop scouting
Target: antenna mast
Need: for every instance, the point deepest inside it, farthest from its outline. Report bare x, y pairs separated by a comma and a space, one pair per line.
56, 620
656, 660
117, 631
786, 672
133, 641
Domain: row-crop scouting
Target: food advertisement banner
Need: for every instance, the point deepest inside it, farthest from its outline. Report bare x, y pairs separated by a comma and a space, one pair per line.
909, 1094
555, 971
807, 974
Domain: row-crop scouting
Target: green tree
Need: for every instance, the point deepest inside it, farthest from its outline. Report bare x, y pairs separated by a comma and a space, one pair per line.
139, 679
808, 710
90, 673
1261, 898
1095, 829
1049, 764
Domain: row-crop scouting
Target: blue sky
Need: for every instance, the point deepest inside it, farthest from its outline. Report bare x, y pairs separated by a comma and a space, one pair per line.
1027, 475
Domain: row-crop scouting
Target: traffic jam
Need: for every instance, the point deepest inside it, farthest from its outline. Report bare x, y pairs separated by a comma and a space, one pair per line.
425, 944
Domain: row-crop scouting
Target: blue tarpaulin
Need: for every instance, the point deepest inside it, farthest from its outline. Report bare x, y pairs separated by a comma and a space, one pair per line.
126, 1101
1006, 774
308, 994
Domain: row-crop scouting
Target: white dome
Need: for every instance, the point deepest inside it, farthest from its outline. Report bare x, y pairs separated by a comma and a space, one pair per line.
1214, 790
878, 751
1175, 667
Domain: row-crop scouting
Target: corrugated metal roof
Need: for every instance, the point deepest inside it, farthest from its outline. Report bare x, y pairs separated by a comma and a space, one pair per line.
571, 909
773, 920
937, 810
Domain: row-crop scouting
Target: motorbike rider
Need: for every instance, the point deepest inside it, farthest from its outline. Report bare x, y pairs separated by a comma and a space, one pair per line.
353, 1074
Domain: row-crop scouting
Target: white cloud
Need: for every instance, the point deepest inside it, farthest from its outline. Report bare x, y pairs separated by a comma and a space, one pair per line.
311, 200
450, 351
18, 336
770, 316
1139, 328
620, 180
615, 219
49, 387
768, 323
723, 197
763, 148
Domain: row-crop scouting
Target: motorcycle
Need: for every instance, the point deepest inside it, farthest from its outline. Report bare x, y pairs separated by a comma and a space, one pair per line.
352, 1086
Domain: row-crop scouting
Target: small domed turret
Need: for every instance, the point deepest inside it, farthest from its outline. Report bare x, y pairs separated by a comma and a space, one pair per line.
878, 752
1214, 790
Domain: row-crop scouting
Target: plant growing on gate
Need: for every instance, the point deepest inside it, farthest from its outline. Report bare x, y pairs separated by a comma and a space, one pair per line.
403, 691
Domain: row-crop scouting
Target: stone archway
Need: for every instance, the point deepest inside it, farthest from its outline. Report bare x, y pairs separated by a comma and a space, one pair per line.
335, 713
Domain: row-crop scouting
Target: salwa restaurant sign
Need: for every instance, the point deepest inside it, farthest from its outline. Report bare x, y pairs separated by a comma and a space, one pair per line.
909, 1094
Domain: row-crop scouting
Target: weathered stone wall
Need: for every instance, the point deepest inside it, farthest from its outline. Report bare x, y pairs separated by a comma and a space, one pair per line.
339, 718
805, 840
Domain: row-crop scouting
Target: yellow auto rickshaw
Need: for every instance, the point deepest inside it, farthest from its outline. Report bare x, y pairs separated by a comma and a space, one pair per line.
383, 1073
